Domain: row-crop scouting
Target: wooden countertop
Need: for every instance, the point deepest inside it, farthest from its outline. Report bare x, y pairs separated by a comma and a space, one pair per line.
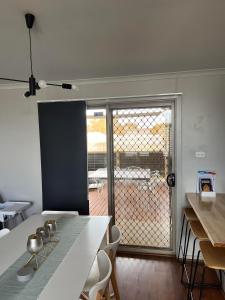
211, 214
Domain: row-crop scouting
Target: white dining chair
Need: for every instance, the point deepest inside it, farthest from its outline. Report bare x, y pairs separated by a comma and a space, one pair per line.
101, 287
58, 212
115, 241
111, 250
4, 232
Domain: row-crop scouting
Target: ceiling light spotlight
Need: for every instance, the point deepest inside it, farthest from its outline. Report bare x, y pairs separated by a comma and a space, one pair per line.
42, 84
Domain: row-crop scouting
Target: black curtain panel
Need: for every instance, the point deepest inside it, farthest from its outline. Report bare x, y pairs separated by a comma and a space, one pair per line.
63, 143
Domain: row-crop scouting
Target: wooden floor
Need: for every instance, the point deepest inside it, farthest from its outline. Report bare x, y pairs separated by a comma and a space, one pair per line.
155, 279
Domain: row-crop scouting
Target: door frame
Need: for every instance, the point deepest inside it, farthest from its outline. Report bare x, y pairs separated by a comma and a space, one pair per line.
163, 99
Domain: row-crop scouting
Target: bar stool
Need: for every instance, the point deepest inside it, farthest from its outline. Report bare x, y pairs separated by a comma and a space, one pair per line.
214, 258
188, 215
199, 234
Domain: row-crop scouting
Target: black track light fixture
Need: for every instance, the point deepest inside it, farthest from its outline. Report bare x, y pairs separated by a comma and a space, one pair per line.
29, 20
33, 84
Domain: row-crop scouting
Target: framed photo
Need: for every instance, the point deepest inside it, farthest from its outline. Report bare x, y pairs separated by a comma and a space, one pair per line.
206, 183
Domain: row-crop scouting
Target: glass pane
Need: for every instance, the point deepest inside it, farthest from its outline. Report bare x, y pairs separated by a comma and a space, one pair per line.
97, 162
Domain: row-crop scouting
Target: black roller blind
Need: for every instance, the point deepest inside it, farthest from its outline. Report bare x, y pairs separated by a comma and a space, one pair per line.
63, 145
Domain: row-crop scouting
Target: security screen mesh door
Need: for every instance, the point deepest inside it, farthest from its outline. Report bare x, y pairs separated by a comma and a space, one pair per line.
142, 160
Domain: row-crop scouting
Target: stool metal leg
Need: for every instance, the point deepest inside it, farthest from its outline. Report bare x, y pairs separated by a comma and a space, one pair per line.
181, 234
185, 236
221, 279
191, 287
192, 264
202, 283
185, 255
192, 258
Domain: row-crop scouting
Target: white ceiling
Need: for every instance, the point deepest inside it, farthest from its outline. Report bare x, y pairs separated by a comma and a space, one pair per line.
95, 38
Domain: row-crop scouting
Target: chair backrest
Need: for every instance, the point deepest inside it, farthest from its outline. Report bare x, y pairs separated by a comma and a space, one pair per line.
113, 246
58, 212
105, 270
3, 232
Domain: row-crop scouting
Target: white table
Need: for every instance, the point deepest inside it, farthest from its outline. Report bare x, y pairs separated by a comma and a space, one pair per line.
69, 278
12, 208
134, 174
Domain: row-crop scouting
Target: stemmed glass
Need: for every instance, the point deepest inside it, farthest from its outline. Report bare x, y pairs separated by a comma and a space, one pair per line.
34, 246
44, 233
51, 226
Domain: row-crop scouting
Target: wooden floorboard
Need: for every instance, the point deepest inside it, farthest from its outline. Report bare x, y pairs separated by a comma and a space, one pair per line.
156, 279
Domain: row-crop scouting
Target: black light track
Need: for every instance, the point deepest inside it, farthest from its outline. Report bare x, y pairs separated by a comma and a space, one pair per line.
29, 20
33, 85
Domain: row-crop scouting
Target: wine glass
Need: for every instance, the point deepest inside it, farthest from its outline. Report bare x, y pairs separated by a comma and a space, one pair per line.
34, 246
34, 243
44, 233
51, 225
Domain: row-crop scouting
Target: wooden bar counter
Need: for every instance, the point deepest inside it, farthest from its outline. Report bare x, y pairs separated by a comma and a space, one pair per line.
211, 214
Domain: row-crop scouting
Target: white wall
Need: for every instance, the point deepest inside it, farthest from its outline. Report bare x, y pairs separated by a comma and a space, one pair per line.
20, 169
203, 127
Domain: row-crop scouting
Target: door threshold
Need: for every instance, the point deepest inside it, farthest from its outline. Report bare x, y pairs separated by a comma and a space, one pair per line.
145, 255
146, 251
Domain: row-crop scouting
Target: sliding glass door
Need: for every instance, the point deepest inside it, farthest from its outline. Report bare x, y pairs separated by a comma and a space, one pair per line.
139, 155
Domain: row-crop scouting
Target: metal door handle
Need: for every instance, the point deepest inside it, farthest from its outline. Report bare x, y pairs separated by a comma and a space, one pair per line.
171, 180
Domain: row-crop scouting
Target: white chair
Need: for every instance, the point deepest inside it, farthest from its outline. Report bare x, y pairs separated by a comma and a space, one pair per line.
111, 250
100, 288
4, 232
115, 238
96, 184
58, 212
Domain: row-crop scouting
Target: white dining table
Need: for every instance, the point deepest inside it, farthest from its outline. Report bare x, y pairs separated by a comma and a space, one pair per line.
71, 274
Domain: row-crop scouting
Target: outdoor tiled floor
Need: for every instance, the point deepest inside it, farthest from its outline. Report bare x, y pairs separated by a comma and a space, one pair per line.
143, 215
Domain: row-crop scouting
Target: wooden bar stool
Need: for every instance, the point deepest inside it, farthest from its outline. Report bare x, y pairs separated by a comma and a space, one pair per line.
214, 258
188, 215
199, 234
